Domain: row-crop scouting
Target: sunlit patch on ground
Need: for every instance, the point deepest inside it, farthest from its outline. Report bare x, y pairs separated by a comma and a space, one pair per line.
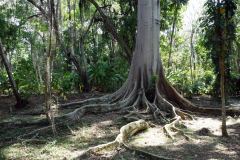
211, 146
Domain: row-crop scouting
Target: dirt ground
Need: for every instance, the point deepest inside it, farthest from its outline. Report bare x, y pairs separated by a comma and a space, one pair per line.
201, 139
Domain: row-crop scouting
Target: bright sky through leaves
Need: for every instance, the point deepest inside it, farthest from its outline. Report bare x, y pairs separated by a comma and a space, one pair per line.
193, 12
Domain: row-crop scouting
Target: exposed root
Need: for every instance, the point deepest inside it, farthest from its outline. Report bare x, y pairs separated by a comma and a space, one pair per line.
183, 115
91, 150
133, 116
125, 132
160, 108
44, 129
132, 100
168, 127
99, 107
70, 129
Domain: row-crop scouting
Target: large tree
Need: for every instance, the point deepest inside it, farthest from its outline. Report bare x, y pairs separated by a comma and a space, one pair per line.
146, 88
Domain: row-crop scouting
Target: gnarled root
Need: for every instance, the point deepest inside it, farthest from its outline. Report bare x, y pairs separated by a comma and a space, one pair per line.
125, 132
172, 126
168, 127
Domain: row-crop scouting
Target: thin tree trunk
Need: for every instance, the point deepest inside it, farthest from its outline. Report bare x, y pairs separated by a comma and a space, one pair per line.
47, 88
37, 79
84, 58
35, 67
82, 44
191, 57
222, 71
173, 27
237, 58
72, 40
20, 102
40, 75
47, 71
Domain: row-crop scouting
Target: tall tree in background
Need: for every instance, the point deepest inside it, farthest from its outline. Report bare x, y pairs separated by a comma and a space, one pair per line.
8, 42
20, 103
79, 68
220, 33
176, 5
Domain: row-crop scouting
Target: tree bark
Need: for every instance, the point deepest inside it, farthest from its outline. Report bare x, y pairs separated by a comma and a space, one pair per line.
237, 58
47, 69
72, 40
191, 57
20, 103
222, 53
222, 84
82, 44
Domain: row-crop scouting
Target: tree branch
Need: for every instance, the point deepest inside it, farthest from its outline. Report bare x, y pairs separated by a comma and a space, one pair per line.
40, 8
35, 15
114, 31
85, 35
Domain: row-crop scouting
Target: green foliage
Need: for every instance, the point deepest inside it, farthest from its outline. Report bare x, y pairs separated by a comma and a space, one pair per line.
234, 84
167, 121
218, 20
25, 78
182, 82
127, 24
63, 83
104, 75
154, 79
4, 83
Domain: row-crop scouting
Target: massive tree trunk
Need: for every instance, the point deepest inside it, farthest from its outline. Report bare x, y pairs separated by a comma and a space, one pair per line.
20, 103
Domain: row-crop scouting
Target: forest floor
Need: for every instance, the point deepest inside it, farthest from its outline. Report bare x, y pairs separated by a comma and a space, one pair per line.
205, 141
